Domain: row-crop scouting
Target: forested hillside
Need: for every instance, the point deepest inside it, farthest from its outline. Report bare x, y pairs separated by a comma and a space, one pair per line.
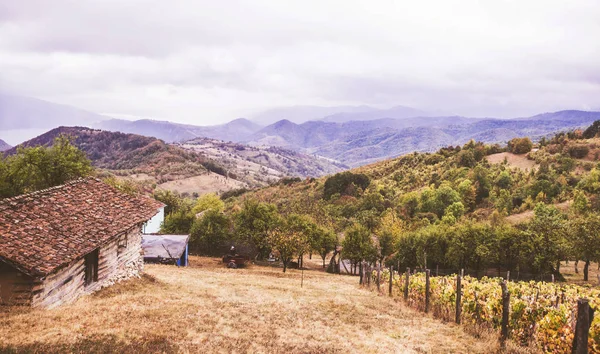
128, 152
446, 209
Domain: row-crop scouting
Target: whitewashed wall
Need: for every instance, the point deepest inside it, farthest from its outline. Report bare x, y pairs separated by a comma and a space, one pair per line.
153, 225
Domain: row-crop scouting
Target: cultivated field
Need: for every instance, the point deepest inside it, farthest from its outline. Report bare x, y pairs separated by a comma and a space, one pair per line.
207, 308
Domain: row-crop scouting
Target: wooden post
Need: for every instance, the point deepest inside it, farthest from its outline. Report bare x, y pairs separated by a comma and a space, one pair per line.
379, 278
458, 298
391, 279
585, 315
508, 275
406, 284
505, 310
462, 273
427, 290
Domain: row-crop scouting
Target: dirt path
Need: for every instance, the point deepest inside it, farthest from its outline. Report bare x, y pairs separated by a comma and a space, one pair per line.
207, 308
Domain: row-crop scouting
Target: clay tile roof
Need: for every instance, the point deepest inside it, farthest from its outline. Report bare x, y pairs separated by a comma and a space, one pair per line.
44, 230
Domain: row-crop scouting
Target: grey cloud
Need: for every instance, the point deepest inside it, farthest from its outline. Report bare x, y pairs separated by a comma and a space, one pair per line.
209, 61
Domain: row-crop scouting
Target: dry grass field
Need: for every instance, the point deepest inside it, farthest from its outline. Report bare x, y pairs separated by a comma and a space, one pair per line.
208, 308
516, 161
567, 270
202, 184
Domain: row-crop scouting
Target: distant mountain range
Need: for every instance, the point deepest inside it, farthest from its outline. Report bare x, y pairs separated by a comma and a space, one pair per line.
338, 114
359, 142
350, 135
4, 146
174, 132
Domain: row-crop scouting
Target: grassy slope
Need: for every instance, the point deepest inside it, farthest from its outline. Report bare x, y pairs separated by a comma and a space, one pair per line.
207, 308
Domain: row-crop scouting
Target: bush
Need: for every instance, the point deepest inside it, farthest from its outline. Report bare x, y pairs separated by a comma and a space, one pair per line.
578, 151
520, 145
345, 183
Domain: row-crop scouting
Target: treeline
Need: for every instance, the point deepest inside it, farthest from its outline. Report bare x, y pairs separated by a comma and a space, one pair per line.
257, 229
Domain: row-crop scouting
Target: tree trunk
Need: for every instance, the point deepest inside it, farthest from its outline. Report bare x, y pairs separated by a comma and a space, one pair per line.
557, 267
586, 269
284, 266
576, 269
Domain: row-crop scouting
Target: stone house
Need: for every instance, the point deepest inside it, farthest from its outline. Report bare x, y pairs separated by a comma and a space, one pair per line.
60, 243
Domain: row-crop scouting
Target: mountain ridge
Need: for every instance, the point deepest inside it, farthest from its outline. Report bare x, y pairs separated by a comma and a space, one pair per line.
4, 145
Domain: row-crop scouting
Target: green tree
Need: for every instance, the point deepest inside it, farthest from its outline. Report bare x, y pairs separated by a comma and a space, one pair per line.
287, 242
520, 145
210, 233
358, 245
342, 184
547, 241
35, 168
208, 201
253, 223
504, 180
585, 240
327, 241
178, 222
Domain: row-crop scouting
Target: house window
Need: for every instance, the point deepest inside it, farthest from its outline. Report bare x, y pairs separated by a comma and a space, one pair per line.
121, 244
91, 268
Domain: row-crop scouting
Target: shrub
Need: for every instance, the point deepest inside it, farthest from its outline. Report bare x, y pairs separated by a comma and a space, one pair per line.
342, 183
520, 145
578, 151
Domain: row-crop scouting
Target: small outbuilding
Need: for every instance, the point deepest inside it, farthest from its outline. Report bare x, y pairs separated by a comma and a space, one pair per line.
60, 243
166, 249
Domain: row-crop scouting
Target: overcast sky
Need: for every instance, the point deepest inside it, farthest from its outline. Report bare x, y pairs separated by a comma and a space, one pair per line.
207, 62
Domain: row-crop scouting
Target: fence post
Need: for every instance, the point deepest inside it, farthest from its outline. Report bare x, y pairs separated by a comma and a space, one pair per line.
391, 279
406, 284
462, 273
379, 278
458, 298
585, 315
427, 272
508, 275
505, 310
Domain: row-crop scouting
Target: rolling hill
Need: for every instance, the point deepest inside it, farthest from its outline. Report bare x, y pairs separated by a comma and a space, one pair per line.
235, 130
258, 166
201, 165
127, 152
